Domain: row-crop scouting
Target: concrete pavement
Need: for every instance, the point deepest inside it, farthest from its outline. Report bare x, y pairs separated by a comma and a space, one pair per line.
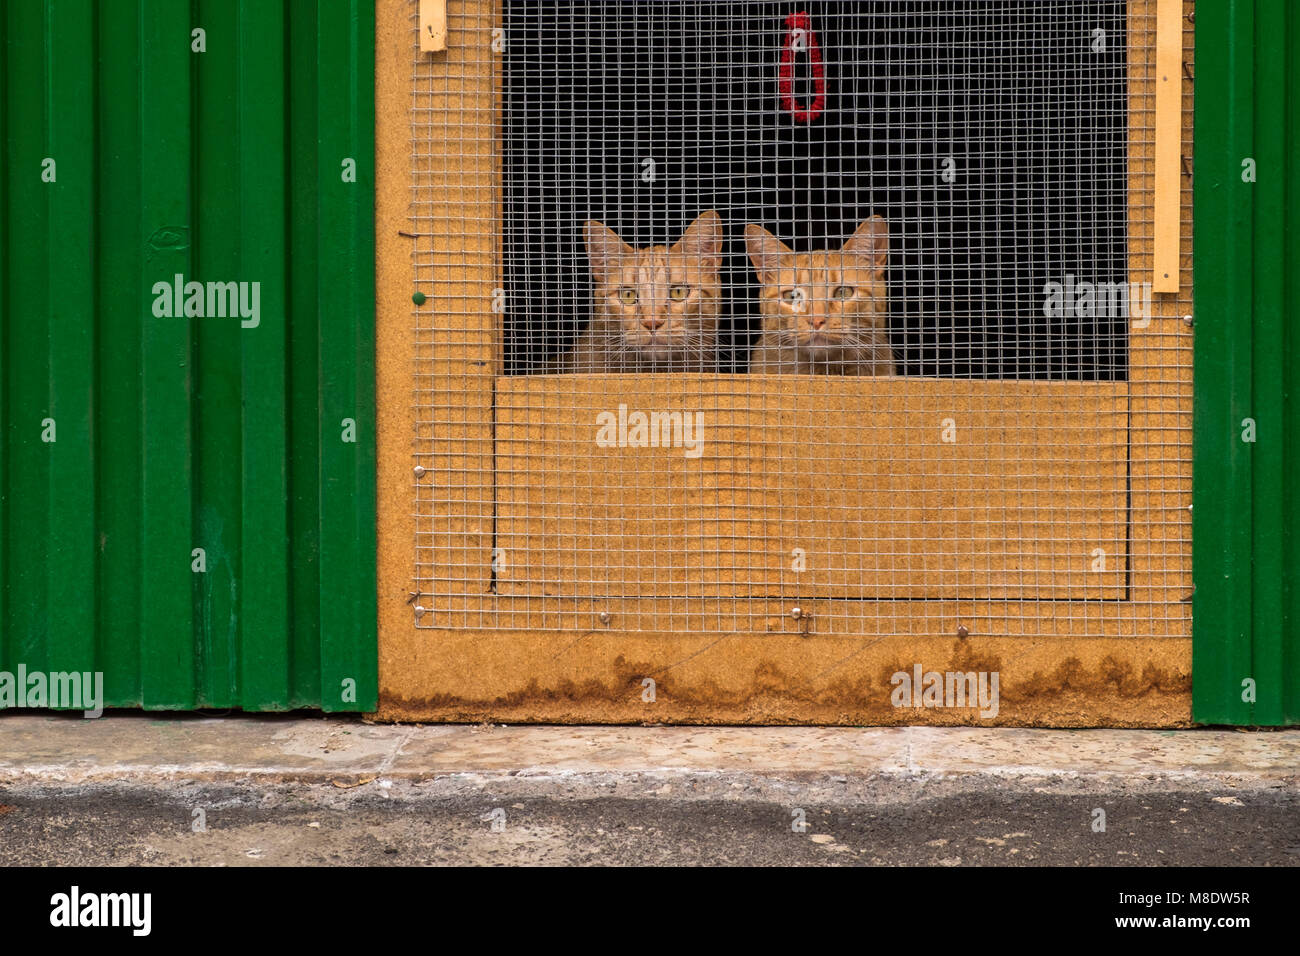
240, 790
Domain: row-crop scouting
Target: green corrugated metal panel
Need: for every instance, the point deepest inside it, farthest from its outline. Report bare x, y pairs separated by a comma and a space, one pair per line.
226, 165
1246, 516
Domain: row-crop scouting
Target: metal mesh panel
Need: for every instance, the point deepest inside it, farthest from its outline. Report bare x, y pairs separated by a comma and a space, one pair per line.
767, 317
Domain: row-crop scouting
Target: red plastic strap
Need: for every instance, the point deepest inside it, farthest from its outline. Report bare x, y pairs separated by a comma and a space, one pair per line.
795, 23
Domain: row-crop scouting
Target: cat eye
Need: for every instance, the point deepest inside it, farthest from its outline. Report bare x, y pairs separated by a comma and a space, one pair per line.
792, 295
627, 296
679, 292
843, 292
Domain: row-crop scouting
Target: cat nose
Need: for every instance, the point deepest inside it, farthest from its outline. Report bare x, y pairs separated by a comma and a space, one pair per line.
651, 322
816, 321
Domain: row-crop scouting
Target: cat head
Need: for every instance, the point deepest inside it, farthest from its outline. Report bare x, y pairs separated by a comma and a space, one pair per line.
824, 302
659, 304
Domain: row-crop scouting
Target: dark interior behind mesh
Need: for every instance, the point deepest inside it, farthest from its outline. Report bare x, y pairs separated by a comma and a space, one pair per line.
1026, 98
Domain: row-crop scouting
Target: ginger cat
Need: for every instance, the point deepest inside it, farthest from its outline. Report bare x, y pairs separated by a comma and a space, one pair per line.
655, 309
824, 313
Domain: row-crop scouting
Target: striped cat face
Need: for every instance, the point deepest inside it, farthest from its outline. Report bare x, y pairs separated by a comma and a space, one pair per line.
822, 303
659, 304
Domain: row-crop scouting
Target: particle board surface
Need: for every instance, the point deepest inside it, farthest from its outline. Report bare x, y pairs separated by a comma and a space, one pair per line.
858, 488
486, 654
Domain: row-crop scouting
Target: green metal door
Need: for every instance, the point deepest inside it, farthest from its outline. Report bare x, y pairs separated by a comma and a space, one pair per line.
187, 502
187, 464
1246, 514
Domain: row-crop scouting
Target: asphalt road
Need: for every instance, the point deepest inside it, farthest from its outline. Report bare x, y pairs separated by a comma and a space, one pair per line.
645, 821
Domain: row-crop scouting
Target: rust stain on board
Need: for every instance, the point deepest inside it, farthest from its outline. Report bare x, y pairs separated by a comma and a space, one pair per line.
1113, 675
1078, 690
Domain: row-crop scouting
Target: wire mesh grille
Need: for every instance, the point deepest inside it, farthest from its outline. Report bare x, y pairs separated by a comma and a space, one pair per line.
790, 317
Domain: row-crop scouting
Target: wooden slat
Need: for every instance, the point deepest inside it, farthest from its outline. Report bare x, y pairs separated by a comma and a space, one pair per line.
855, 472
1169, 108
433, 25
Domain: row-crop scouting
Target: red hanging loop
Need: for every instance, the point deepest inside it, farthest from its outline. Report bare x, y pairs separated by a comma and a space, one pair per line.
799, 25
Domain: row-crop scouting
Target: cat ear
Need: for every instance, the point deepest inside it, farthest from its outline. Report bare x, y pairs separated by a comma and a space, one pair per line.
702, 239
870, 242
604, 247
768, 253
